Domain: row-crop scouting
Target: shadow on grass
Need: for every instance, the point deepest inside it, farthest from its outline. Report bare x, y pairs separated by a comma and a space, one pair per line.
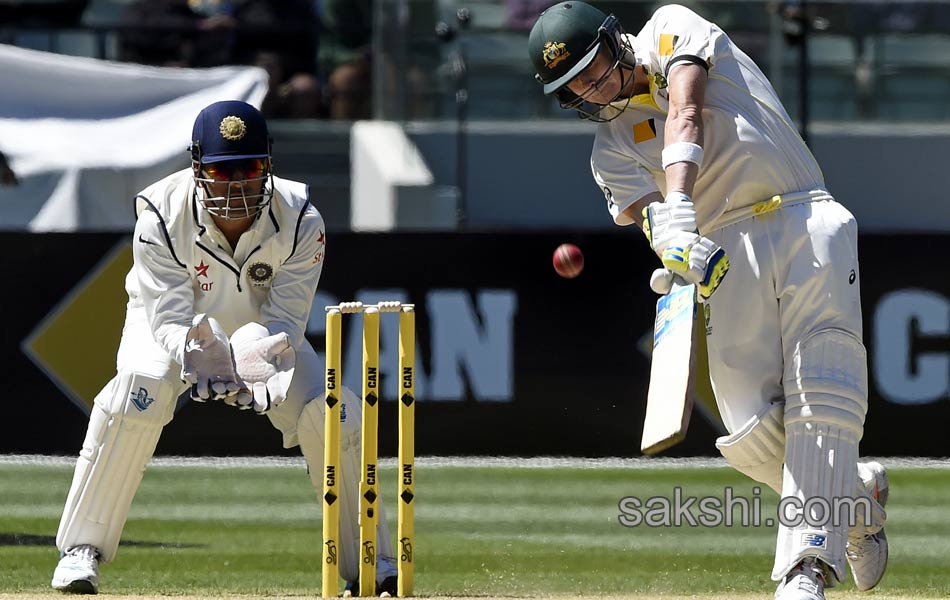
27, 539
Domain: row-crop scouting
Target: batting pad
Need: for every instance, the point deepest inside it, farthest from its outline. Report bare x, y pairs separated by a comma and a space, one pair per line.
826, 402
757, 449
311, 435
126, 421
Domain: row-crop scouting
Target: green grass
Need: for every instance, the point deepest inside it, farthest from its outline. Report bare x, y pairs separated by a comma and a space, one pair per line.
205, 531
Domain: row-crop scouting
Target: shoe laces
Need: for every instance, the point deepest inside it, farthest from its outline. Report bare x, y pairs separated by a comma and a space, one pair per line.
84, 551
813, 577
857, 548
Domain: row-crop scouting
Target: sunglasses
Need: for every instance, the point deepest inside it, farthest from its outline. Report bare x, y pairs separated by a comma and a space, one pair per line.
232, 170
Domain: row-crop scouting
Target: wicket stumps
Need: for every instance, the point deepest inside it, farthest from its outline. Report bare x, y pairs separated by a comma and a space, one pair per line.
369, 486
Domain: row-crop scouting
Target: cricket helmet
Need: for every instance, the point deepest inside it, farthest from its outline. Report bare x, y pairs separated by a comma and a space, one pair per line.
230, 144
565, 40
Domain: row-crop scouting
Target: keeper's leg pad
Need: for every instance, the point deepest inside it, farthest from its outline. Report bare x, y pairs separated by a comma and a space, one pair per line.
126, 421
825, 406
311, 435
757, 449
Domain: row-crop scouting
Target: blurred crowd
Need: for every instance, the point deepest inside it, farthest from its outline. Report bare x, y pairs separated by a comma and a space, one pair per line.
319, 56
316, 52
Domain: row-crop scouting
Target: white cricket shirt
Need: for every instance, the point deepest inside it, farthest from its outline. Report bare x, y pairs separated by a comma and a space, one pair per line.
182, 267
752, 151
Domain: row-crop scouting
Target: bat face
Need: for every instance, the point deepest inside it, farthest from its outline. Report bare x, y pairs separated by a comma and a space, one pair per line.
669, 403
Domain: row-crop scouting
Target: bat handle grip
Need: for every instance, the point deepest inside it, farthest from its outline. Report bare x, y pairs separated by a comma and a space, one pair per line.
679, 282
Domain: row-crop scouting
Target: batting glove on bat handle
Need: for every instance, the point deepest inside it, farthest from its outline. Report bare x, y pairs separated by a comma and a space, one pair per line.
697, 260
665, 221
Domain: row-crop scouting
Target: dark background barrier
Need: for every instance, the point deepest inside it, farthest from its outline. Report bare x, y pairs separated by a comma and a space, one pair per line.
557, 365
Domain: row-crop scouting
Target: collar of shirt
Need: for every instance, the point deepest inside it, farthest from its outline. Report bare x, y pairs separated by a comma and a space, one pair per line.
248, 241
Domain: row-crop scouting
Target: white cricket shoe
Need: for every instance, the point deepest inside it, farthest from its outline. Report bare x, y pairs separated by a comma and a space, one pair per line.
806, 581
867, 554
78, 571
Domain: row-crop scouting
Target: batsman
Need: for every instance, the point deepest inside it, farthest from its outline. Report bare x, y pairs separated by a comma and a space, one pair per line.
694, 147
227, 258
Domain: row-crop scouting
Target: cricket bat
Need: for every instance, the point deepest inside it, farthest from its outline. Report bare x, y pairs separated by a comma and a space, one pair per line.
669, 399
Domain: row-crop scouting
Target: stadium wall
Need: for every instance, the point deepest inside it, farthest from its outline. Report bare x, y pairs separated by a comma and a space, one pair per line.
513, 360
537, 174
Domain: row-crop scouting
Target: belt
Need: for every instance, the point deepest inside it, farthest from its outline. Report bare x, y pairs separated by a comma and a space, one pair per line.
768, 205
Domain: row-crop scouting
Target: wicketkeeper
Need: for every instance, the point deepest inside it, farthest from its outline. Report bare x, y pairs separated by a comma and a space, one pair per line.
227, 261
694, 146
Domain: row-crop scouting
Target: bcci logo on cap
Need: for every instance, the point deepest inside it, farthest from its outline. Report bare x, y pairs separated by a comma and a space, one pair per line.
232, 128
553, 53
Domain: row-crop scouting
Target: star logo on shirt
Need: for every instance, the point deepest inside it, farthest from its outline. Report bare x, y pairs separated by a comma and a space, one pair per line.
201, 270
320, 240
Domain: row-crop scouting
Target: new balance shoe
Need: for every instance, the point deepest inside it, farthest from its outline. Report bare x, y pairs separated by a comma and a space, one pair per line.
806, 581
78, 571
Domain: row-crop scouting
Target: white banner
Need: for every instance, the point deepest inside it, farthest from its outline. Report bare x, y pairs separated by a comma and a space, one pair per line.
84, 135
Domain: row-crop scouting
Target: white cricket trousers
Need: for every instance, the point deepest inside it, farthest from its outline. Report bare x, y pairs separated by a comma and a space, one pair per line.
793, 272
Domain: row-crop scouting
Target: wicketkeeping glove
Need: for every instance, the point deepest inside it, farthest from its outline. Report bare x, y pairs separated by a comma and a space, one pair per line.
265, 364
207, 363
671, 228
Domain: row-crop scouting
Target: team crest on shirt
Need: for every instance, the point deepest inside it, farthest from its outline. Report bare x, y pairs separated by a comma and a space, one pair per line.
232, 128
660, 81
260, 273
553, 53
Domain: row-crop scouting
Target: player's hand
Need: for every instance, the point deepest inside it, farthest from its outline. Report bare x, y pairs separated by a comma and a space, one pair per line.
671, 228
662, 221
265, 364
207, 364
697, 260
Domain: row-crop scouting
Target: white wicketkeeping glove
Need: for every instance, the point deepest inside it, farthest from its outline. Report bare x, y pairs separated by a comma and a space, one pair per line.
671, 228
207, 364
265, 364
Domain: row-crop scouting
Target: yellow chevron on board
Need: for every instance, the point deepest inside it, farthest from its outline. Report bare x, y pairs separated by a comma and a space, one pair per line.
76, 343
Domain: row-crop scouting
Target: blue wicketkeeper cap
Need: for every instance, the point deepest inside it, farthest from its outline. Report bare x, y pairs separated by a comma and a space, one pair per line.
229, 130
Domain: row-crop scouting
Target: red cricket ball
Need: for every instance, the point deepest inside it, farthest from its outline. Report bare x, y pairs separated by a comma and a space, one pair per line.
568, 261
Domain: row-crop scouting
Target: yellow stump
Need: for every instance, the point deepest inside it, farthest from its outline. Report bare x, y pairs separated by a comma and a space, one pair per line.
369, 488
331, 456
407, 436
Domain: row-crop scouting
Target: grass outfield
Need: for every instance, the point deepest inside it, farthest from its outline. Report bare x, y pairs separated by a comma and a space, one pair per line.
495, 529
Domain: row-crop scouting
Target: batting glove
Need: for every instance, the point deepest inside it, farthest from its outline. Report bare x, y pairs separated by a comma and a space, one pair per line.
671, 228
697, 260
